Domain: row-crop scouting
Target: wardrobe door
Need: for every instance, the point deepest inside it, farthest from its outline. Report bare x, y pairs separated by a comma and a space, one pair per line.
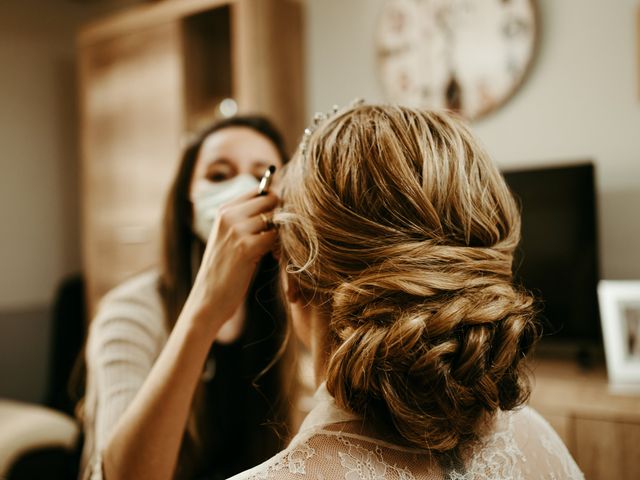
608, 449
270, 30
132, 112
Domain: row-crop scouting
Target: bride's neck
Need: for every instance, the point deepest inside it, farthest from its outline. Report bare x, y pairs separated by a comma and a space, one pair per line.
319, 343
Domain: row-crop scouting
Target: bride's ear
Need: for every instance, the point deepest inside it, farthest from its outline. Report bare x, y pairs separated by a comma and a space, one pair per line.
290, 286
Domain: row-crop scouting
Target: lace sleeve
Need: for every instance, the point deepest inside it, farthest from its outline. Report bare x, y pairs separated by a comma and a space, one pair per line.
546, 454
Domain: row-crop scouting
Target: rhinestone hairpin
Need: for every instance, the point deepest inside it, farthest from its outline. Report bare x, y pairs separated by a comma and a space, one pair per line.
318, 119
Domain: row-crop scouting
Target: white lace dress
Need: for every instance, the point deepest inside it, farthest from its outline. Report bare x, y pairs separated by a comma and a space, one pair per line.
521, 445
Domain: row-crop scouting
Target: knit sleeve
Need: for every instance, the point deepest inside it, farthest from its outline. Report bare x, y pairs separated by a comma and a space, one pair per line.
125, 339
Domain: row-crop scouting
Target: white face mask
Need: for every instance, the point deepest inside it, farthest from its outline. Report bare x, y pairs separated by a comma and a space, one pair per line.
207, 197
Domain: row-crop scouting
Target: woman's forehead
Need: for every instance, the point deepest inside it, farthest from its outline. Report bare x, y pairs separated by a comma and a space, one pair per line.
238, 146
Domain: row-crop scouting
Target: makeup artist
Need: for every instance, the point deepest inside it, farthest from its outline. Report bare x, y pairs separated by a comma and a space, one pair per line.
178, 384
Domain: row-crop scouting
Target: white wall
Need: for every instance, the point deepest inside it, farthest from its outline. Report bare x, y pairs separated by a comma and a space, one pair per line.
39, 209
581, 101
38, 164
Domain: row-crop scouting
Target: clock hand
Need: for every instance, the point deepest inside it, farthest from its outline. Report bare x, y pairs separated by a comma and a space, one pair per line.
453, 93
392, 51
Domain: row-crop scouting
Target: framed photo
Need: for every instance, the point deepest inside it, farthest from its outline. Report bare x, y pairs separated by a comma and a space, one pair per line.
638, 47
620, 318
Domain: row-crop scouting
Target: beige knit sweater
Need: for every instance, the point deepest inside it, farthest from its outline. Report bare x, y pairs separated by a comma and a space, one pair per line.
125, 338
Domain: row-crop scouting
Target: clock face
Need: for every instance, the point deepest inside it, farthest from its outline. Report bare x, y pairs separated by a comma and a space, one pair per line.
464, 55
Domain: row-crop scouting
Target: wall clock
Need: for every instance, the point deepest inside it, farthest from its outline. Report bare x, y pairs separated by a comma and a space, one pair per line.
466, 55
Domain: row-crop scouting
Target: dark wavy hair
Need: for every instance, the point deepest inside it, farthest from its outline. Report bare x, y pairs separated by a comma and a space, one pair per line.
231, 426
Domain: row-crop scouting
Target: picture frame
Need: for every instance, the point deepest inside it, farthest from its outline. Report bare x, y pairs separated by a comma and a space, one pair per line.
620, 319
638, 47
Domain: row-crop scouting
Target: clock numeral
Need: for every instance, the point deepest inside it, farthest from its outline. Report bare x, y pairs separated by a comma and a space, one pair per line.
513, 66
404, 82
485, 97
397, 20
515, 27
390, 52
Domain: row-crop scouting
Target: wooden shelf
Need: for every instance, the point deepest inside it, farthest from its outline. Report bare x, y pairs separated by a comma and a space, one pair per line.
151, 76
562, 386
206, 43
600, 428
144, 16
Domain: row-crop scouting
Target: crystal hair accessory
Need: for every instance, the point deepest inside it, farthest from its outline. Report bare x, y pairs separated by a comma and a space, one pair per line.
318, 119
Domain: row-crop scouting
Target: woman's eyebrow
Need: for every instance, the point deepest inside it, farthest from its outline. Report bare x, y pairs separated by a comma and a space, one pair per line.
261, 164
220, 160
259, 167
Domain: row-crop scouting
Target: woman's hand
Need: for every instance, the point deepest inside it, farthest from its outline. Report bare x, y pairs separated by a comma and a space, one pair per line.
146, 440
239, 239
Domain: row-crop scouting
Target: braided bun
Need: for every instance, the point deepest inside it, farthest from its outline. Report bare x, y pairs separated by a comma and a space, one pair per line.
401, 228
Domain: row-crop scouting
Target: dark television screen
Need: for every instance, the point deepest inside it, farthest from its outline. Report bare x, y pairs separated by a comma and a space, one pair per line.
557, 259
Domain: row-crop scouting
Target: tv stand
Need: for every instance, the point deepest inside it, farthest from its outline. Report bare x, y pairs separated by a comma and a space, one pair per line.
586, 355
585, 359
601, 429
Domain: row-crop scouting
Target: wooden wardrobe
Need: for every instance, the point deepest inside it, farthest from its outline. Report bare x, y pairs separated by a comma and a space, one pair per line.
151, 76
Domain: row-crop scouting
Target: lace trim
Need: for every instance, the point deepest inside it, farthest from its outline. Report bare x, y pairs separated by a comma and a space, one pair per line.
494, 458
293, 460
382, 443
363, 464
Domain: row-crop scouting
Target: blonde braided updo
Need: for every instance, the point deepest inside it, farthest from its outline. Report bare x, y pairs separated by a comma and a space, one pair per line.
398, 224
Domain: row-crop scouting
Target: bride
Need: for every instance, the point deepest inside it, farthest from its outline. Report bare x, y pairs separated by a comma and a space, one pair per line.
397, 235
